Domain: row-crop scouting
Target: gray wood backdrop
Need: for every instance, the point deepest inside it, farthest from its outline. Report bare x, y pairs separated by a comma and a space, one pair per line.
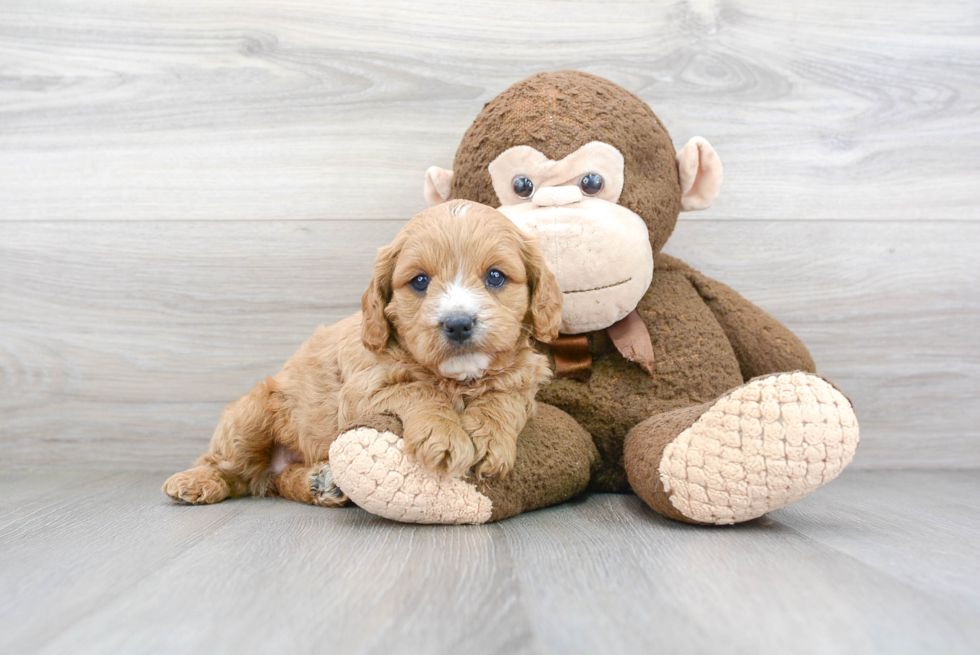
187, 188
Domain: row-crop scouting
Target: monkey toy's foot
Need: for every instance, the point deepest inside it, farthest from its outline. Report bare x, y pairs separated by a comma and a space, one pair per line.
555, 456
370, 464
759, 447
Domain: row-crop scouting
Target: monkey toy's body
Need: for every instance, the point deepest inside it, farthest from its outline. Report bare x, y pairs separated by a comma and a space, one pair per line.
668, 383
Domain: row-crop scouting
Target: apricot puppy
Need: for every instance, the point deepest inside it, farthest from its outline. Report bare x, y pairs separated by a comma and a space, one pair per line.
443, 342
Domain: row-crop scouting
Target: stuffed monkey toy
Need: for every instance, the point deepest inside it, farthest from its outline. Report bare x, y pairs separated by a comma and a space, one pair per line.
667, 383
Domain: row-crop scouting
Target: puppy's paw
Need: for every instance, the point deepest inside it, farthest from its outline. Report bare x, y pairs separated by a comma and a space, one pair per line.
501, 453
201, 485
495, 442
311, 484
324, 492
440, 445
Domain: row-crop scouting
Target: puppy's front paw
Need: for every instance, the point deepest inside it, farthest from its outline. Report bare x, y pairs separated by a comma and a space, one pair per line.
499, 460
439, 444
496, 444
201, 485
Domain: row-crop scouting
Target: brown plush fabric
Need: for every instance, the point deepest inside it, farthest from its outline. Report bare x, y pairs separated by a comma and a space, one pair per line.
379, 422
644, 449
558, 113
555, 459
762, 344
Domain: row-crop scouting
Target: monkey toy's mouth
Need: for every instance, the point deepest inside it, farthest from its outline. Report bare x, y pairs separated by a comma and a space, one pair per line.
600, 253
599, 288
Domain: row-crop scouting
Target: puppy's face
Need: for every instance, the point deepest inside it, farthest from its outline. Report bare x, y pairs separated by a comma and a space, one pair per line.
459, 288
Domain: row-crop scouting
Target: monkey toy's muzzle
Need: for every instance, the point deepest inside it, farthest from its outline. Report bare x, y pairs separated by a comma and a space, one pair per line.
599, 251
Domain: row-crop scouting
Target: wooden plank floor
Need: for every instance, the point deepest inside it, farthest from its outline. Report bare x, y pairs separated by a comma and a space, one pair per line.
877, 562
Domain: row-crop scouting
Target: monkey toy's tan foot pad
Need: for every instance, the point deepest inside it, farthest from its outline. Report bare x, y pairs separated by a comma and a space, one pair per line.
372, 468
760, 447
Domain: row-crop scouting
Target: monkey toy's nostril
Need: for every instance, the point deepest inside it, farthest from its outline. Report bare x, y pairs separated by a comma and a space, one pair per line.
458, 327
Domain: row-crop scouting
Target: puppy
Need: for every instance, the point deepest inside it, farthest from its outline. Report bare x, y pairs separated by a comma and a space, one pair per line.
443, 342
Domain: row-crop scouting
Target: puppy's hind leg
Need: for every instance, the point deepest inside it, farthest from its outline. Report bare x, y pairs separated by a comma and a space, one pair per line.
312, 484
237, 460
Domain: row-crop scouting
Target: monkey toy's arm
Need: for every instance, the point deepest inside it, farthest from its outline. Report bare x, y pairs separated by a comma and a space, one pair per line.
762, 344
433, 431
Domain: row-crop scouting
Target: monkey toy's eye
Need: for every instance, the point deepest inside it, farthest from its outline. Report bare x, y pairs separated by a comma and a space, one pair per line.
420, 283
523, 187
495, 279
591, 184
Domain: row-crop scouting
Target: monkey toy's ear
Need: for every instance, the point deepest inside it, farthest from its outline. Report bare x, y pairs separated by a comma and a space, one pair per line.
700, 172
438, 185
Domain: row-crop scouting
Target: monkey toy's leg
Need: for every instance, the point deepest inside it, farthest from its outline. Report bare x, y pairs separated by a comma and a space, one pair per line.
759, 447
238, 457
555, 459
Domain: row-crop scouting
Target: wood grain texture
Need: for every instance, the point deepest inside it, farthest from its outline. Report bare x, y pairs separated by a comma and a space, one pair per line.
928, 545
218, 109
104, 563
120, 342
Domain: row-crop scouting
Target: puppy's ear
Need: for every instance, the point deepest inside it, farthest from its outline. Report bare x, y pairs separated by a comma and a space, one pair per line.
375, 328
545, 308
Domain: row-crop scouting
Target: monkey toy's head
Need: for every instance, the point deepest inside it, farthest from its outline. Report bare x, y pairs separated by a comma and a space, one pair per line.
588, 168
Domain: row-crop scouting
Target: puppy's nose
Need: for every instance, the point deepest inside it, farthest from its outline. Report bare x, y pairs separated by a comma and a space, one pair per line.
458, 327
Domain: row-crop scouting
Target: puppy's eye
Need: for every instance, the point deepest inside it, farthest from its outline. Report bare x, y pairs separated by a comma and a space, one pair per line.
420, 283
495, 279
591, 184
523, 187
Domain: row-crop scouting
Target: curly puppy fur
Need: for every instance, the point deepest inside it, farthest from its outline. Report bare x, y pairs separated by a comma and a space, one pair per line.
462, 402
